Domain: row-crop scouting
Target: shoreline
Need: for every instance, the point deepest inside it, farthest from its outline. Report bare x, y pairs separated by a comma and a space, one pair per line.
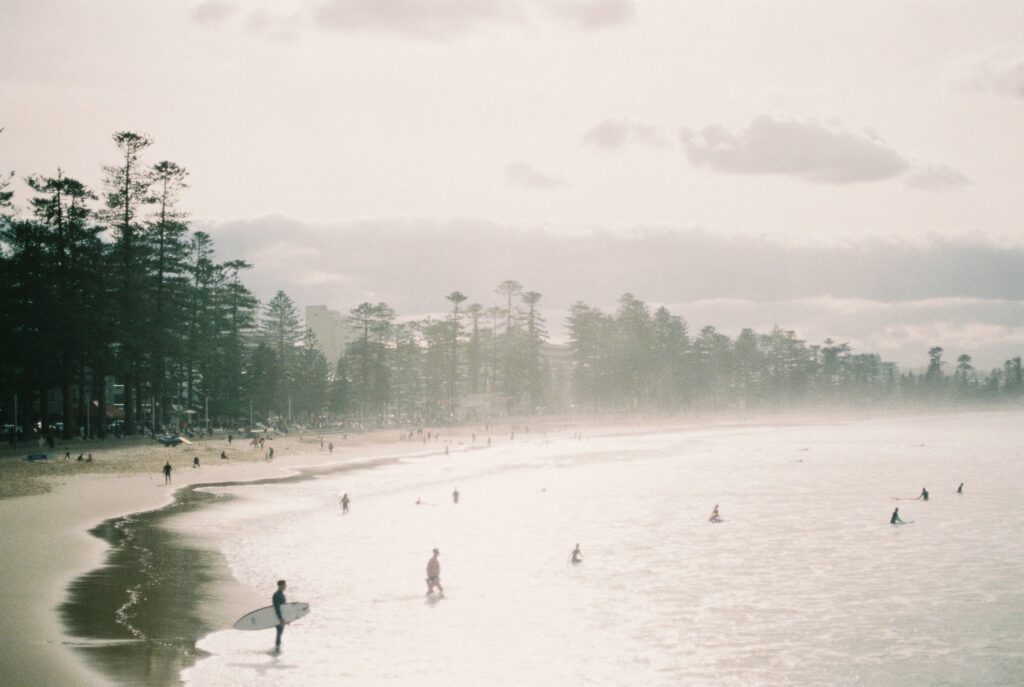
49, 542
50, 534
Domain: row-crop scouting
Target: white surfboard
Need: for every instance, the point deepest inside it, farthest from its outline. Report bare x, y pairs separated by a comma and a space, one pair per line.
265, 618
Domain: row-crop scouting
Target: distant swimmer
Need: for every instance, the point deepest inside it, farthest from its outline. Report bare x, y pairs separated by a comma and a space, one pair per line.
344, 503
576, 556
278, 600
455, 496
960, 489
434, 574
715, 517
895, 519
924, 494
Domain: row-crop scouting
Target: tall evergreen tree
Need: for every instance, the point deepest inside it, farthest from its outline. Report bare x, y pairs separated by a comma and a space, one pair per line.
127, 190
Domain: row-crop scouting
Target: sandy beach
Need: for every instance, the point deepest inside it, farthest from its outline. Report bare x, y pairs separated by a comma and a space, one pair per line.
46, 541
50, 507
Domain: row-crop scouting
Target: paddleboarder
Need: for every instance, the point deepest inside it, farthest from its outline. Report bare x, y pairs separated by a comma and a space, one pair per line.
278, 600
434, 574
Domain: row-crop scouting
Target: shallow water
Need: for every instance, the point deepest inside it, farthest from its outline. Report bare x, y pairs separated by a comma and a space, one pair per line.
805, 583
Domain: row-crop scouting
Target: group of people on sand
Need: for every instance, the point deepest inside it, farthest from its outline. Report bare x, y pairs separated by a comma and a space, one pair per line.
895, 518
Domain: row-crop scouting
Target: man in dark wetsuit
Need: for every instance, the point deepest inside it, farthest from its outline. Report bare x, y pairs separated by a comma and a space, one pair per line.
960, 489
278, 600
895, 519
924, 494
167, 472
576, 556
344, 503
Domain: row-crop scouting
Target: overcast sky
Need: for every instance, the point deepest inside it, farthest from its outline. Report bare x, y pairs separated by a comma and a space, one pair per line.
844, 169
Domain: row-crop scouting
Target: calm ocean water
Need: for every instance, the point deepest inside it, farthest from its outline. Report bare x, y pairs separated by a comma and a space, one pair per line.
805, 583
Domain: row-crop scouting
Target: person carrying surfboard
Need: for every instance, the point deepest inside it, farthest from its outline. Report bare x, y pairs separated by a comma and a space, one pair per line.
278, 600
895, 519
434, 574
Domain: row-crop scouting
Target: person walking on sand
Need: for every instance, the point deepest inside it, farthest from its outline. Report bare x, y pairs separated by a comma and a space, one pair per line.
330, 448
344, 503
434, 574
576, 556
167, 472
896, 519
195, 462
455, 496
278, 600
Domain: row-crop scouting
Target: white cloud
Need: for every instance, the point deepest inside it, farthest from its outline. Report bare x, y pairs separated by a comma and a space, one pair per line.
804, 149
527, 176
212, 12
594, 14
616, 134
940, 176
424, 19
1001, 71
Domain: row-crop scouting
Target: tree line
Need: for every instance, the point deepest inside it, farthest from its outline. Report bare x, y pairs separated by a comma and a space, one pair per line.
113, 284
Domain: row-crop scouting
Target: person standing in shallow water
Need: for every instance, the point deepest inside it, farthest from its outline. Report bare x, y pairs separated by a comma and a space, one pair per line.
895, 519
924, 494
434, 574
576, 556
167, 472
960, 489
455, 496
278, 600
344, 503
715, 517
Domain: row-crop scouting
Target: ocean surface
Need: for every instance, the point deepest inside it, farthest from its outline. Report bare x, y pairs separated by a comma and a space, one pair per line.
805, 583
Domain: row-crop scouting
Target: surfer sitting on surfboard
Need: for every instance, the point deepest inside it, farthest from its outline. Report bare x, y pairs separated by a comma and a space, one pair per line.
278, 600
576, 556
715, 517
895, 519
